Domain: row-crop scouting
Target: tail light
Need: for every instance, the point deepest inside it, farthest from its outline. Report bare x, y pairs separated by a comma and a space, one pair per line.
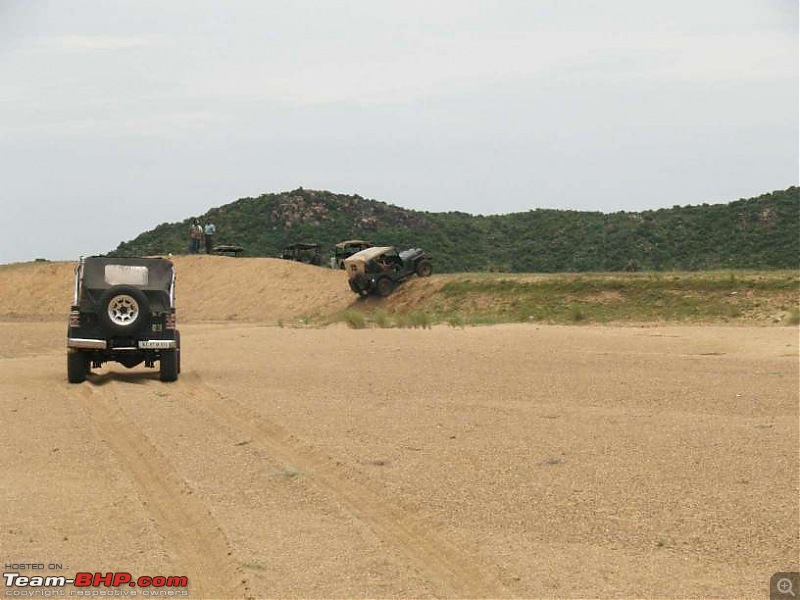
169, 321
74, 318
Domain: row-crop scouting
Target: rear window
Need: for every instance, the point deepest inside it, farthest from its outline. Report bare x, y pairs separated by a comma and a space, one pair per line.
126, 275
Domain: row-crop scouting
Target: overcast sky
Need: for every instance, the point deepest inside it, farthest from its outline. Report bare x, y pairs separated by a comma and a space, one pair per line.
118, 115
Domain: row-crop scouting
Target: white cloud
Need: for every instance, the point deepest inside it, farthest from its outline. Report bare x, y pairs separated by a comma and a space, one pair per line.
379, 71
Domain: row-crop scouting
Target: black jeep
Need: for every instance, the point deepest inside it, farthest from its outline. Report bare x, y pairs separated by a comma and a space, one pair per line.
124, 311
346, 249
379, 270
308, 253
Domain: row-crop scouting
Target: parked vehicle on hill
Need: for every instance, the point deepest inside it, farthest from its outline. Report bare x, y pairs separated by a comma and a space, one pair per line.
380, 269
346, 249
123, 310
228, 250
310, 254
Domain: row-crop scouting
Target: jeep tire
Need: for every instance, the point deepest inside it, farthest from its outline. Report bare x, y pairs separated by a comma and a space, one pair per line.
384, 286
178, 350
360, 285
424, 268
168, 365
77, 366
123, 309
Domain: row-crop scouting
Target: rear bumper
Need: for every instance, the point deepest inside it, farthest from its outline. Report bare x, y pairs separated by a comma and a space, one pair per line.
86, 344
92, 344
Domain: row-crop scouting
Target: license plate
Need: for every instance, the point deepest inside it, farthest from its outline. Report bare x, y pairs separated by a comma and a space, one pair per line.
156, 344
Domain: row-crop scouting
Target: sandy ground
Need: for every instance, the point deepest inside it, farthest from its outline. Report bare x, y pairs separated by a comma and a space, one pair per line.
507, 461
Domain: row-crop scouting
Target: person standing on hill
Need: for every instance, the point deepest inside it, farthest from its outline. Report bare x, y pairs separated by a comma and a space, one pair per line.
195, 236
209, 231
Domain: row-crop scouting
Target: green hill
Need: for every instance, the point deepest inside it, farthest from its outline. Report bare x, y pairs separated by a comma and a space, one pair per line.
755, 233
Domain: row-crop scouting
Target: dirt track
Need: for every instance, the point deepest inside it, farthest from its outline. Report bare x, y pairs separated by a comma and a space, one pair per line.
509, 461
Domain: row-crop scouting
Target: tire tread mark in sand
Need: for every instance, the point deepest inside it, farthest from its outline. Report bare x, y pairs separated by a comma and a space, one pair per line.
445, 565
182, 519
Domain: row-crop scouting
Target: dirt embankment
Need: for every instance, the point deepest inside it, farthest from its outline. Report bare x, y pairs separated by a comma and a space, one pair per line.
39, 291
274, 291
209, 288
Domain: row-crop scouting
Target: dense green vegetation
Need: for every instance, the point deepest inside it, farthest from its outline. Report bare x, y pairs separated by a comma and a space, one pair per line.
756, 233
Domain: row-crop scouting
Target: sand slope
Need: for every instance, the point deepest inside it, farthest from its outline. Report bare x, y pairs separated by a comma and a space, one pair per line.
209, 288
270, 291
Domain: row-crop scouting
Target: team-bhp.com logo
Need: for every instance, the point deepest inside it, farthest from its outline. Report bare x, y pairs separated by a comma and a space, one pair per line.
87, 584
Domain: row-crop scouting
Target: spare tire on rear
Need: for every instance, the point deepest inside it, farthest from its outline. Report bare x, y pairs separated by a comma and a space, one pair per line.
123, 309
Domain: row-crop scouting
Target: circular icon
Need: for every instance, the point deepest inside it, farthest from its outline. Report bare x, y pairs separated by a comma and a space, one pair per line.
785, 586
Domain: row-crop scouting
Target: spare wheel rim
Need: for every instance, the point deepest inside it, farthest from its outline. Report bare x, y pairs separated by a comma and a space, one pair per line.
123, 310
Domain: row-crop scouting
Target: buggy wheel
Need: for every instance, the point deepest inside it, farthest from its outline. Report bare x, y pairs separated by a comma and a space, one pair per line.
424, 268
168, 365
77, 367
384, 286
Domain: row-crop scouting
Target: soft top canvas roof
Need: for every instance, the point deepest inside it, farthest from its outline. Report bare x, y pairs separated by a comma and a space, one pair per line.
103, 272
368, 254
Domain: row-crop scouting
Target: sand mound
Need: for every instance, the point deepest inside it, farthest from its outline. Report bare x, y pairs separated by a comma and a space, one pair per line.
209, 288
212, 288
41, 291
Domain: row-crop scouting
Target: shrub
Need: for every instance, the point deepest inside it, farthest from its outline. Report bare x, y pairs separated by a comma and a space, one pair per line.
354, 319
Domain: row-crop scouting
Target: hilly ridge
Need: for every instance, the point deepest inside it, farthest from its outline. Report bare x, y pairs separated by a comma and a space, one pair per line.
755, 233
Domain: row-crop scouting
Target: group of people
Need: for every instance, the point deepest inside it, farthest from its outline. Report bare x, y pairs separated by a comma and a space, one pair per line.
199, 234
